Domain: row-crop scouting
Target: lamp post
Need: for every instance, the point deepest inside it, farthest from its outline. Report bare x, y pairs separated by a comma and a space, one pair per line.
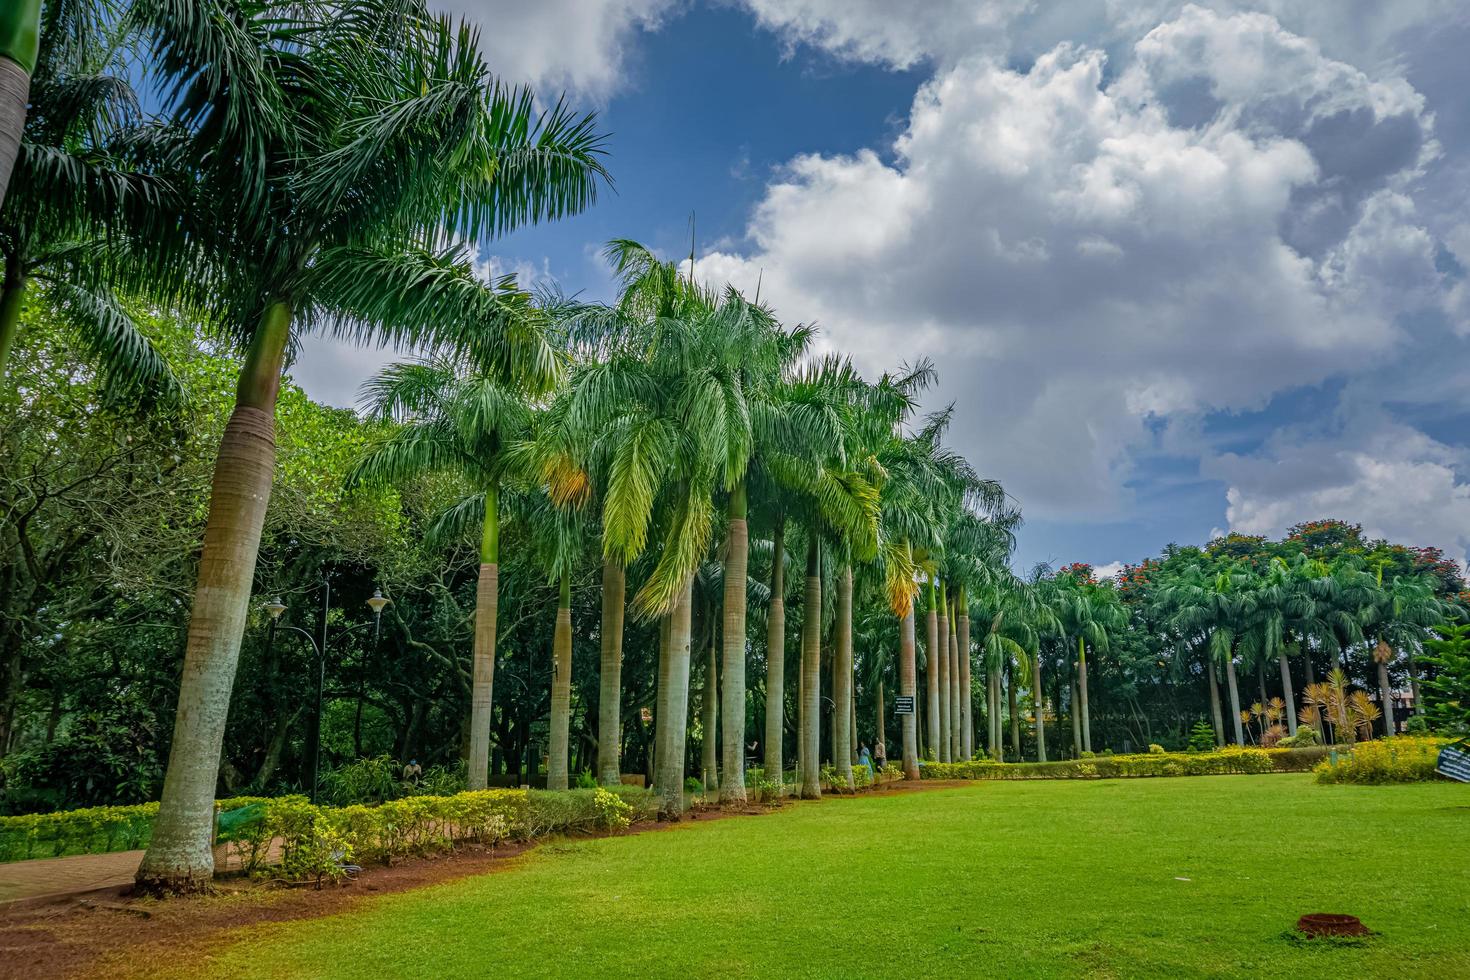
274, 609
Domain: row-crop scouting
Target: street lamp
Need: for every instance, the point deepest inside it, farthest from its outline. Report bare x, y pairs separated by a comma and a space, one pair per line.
275, 608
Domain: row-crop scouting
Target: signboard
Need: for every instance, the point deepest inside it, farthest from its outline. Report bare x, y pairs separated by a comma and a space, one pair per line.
1454, 764
903, 704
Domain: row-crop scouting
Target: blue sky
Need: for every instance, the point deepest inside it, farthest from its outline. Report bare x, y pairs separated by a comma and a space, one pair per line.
1183, 267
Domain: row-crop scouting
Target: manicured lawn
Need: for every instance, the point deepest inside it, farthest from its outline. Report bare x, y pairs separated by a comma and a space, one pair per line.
1142, 877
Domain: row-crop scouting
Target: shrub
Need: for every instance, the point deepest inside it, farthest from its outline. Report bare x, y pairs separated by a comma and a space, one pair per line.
364, 781
1390, 760
694, 785
585, 780
1305, 736
1202, 737
612, 812
1231, 759
93, 830
1416, 725
1155, 749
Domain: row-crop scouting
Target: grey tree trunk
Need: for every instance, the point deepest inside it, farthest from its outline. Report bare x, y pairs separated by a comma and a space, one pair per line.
1037, 697
1082, 696
931, 680
559, 739
15, 87
1385, 694
945, 728
1013, 702
842, 679
1290, 694
1215, 702
179, 858
1234, 699
1414, 685
967, 692
673, 719
908, 687
1076, 721
609, 701
482, 683
710, 716
993, 715
776, 661
811, 676
732, 787
956, 725
880, 739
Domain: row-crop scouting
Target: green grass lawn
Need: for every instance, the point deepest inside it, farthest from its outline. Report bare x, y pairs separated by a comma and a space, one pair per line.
1131, 877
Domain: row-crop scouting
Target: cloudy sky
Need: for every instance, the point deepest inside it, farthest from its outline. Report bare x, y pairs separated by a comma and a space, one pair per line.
1184, 267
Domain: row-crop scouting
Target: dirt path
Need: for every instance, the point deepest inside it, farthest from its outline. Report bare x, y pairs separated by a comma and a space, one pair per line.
108, 932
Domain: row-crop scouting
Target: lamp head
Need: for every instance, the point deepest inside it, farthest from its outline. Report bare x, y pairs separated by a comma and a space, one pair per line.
378, 601
275, 607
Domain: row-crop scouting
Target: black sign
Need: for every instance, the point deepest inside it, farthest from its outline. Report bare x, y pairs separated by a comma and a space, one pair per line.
1455, 764
903, 704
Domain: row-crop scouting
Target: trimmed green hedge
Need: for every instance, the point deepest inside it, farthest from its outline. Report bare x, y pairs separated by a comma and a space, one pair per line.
414, 824
1226, 761
1403, 759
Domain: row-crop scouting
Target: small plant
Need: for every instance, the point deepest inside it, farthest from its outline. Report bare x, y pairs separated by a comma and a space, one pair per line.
1305, 737
585, 780
1155, 748
612, 812
1416, 725
693, 786
1202, 737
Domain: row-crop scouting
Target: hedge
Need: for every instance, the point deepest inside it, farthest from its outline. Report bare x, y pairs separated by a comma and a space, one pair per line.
1403, 759
1230, 760
303, 835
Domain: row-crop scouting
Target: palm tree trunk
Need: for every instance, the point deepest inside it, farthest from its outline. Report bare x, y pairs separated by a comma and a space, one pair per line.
880, 738
1261, 682
20, 33
179, 858
931, 677
609, 702
967, 692
1076, 721
487, 604
908, 687
1037, 698
811, 673
1215, 702
956, 725
12, 298
1082, 694
993, 713
709, 761
842, 679
1288, 692
1015, 707
776, 658
942, 654
673, 718
737, 550
1234, 699
1385, 694
561, 690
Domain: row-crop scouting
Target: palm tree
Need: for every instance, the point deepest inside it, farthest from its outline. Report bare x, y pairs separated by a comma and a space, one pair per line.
336, 147
20, 33
1087, 611
1400, 616
460, 422
80, 206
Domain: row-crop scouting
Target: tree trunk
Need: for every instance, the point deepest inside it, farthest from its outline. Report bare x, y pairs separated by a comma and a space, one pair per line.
1014, 705
1385, 694
880, 737
946, 727
908, 687
776, 659
967, 692
1414, 685
673, 718
561, 690
15, 84
1037, 698
1082, 694
1234, 699
1076, 721
732, 787
487, 604
956, 725
931, 677
1288, 692
1215, 702
1261, 682
842, 679
609, 701
179, 858
993, 714
709, 762
12, 298
811, 673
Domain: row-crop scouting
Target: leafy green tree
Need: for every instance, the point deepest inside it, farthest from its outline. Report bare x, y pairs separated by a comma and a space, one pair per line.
1447, 701
336, 146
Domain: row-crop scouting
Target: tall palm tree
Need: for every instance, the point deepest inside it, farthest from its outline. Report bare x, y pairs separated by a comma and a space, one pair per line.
20, 34
453, 420
337, 147
1087, 611
1399, 617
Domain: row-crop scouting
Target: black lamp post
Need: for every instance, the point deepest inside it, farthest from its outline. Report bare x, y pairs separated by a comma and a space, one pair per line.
274, 609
